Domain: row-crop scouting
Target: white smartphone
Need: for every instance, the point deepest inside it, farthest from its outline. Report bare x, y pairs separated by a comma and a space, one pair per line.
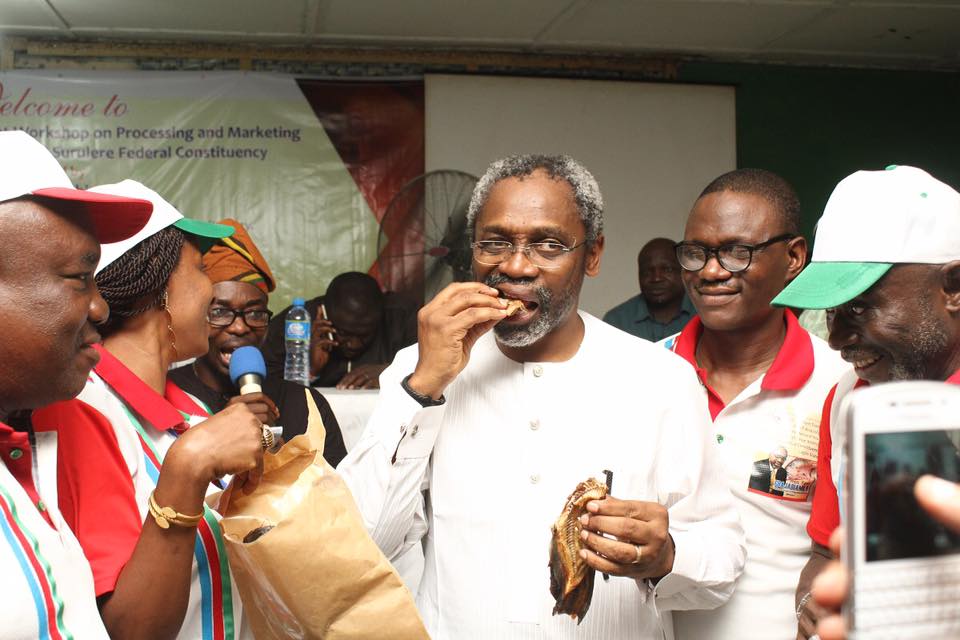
323, 312
905, 567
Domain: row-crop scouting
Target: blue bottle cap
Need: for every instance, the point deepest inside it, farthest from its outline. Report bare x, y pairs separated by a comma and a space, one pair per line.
298, 302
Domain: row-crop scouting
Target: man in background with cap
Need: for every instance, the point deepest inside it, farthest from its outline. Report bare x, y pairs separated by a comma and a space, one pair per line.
886, 264
238, 317
765, 379
53, 234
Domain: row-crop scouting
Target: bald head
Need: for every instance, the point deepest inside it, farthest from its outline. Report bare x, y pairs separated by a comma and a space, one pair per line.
777, 457
354, 305
767, 185
657, 246
355, 290
659, 273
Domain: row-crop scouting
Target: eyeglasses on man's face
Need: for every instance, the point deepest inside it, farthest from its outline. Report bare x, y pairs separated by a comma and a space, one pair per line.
734, 257
224, 317
544, 255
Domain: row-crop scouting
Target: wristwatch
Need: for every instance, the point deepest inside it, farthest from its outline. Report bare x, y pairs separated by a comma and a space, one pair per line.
425, 401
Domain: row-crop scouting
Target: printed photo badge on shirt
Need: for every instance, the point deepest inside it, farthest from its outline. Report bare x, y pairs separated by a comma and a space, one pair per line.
786, 468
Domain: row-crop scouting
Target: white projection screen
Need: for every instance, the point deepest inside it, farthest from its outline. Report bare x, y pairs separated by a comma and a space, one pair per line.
652, 147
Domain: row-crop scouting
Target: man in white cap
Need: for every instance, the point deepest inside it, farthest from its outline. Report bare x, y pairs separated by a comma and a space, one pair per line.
49, 305
886, 264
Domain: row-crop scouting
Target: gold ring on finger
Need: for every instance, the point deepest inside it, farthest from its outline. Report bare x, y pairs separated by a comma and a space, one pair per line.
639, 554
266, 437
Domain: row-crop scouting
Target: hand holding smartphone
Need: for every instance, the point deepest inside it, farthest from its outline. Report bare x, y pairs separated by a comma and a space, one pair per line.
905, 566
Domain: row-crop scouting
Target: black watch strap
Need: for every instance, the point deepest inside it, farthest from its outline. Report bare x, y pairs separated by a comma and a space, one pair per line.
425, 401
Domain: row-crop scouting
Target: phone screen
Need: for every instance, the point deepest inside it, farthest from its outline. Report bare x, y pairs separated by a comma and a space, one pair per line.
897, 527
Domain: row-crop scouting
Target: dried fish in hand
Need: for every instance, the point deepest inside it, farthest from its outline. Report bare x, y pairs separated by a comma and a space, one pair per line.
571, 579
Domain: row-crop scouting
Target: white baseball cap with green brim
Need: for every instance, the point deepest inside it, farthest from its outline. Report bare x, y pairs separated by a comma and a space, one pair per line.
205, 234
872, 221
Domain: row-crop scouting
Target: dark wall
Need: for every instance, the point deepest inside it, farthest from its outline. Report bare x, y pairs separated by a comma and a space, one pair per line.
816, 126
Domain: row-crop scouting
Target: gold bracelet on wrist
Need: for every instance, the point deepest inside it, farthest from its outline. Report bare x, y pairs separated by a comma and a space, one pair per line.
165, 516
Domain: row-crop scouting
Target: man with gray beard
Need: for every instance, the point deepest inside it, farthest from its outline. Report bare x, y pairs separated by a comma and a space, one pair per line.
886, 266
485, 427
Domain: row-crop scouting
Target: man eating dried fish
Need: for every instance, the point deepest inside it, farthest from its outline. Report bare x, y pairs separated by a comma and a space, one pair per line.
485, 427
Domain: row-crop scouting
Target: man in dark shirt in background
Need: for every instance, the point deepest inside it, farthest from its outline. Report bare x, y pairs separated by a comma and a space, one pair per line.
238, 317
661, 308
356, 331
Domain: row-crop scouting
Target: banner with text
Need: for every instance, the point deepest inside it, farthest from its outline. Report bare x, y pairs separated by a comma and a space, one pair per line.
224, 144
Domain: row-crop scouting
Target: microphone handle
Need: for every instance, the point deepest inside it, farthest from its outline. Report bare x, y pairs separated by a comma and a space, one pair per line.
249, 383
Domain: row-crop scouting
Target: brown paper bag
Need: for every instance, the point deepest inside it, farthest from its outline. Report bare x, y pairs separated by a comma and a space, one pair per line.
317, 573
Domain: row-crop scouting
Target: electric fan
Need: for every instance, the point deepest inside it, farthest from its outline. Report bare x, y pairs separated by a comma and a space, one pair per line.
423, 244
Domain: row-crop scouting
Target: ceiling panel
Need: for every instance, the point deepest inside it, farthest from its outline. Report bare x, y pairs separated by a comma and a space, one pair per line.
913, 32
683, 26
440, 20
29, 15
212, 16
934, 32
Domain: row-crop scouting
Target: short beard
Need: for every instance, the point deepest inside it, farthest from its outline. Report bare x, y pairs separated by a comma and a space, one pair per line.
929, 339
551, 313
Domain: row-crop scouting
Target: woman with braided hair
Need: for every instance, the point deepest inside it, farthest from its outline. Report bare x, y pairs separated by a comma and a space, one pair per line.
141, 271
143, 454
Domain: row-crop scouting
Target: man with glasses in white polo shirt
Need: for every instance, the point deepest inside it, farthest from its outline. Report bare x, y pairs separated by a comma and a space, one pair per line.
499, 419
765, 379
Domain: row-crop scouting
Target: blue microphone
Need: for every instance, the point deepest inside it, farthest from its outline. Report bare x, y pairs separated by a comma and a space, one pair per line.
247, 369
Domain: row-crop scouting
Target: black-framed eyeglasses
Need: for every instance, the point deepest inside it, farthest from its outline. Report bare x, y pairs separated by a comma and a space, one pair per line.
733, 257
224, 317
545, 255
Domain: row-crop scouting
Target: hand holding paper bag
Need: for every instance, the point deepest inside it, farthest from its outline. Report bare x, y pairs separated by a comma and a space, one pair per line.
316, 573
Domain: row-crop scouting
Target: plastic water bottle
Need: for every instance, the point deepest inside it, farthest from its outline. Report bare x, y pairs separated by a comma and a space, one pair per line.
296, 365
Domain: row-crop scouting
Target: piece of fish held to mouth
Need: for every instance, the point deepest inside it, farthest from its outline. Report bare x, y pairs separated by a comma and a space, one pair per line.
571, 579
513, 306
